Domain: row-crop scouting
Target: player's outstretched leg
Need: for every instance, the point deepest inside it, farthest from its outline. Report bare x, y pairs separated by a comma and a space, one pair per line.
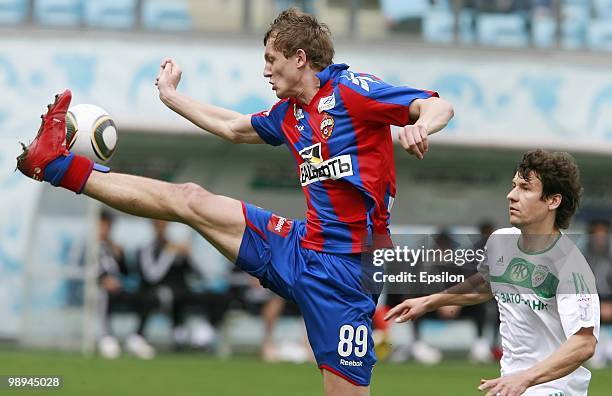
219, 219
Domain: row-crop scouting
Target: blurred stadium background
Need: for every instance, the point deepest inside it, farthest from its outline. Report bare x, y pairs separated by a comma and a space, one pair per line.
521, 74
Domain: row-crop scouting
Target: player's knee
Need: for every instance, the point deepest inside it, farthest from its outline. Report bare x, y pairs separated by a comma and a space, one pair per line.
191, 197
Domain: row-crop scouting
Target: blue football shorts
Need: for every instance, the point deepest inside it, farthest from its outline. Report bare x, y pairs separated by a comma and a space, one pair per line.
326, 287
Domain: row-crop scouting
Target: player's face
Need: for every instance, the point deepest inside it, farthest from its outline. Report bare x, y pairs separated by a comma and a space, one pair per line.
526, 206
282, 73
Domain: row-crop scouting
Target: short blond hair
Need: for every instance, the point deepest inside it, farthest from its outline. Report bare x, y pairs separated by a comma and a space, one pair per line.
293, 29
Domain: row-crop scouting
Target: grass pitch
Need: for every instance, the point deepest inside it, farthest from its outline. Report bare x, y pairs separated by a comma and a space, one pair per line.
200, 375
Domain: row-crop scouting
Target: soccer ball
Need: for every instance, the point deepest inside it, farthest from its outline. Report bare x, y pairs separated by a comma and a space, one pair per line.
91, 132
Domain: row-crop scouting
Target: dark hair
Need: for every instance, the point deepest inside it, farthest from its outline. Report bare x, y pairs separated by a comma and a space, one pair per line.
559, 174
486, 226
106, 215
293, 29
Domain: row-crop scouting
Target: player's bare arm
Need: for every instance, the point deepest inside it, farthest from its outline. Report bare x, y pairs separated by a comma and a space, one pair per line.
474, 290
431, 115
227, 124
568, 357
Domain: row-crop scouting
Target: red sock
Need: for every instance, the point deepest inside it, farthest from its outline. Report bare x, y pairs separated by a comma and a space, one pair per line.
77, 174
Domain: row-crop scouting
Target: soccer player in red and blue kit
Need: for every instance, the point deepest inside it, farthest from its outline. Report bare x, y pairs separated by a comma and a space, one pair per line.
336, 123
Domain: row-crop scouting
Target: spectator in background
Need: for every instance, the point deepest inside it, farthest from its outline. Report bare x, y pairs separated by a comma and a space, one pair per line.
404, 16
541, 6
598, 254
527, 8
421, 351
308, 6
502, 6
480, 351
479, 314
486, 228
165, 268
114, 296
537, 7
272, 310
250, 296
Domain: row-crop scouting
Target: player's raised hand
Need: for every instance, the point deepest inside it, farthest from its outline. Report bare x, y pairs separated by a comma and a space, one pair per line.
414, 139
409, 309
169, 76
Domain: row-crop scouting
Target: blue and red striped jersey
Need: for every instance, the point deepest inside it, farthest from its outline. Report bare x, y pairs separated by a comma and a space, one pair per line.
343, 147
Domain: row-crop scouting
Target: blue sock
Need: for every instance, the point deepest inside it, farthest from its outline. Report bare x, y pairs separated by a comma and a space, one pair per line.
56, 169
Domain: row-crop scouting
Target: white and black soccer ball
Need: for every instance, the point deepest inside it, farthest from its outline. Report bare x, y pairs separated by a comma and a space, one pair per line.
91, 132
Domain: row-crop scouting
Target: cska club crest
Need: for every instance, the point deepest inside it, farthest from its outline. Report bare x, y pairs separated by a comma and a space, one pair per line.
327, 126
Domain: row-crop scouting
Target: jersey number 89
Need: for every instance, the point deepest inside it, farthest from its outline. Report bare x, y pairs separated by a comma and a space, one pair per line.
348, 334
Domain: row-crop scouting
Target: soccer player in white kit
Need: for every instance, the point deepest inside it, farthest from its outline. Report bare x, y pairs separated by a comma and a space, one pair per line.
544, 288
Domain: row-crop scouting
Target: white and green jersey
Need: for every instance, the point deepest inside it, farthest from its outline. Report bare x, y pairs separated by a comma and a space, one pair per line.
543, 298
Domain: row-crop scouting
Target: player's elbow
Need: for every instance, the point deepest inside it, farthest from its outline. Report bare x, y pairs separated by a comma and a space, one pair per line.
447, 110
451, 111
586, 348
590, 343
437, 109
240, 138
233, 134
245, 137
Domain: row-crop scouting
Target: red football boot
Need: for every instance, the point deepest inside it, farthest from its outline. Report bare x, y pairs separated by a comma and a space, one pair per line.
47, 158
50, 142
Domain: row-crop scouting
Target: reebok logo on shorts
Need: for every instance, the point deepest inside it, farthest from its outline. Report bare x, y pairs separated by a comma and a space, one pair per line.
280, 225
351, 363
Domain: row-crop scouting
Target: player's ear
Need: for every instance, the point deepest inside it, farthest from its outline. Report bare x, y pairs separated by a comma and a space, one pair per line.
301, 58
554, 201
